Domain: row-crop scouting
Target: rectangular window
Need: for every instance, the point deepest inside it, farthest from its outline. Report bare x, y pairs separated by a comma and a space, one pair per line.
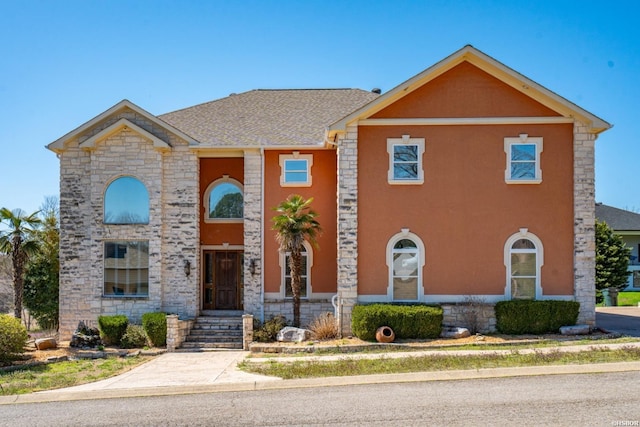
405, 160
523, 275
295, 169
523, 160
126, 268
303, 277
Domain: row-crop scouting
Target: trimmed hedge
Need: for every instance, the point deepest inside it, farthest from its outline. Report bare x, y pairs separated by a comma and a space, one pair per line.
535, 317
134, 337
155, 326
112, 328
13, 337
407, 321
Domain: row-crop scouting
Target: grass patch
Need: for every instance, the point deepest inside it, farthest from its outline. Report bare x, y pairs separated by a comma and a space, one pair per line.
65, 374
628, 298
427, 363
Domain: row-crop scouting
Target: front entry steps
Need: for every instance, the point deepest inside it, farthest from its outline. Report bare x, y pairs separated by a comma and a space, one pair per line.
222, 330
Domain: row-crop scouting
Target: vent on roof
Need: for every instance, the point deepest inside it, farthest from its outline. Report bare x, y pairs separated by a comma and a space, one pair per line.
376, 90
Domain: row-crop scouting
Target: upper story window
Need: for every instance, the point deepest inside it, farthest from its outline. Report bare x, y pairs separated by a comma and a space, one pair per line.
405, 160
523, 159
126, 201
224, 200
295, 169
523, 259
405, 259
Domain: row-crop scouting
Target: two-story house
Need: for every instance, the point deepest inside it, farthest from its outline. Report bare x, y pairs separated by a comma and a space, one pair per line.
467, 180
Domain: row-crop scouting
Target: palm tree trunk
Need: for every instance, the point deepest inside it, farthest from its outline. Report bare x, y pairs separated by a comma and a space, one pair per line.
295, 263
18, 259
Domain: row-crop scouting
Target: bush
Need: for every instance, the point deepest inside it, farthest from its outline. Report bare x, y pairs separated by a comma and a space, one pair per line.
407, 321
324, 327
535, 317
268, 331
13, 337
112, 328
155, 325
134, 337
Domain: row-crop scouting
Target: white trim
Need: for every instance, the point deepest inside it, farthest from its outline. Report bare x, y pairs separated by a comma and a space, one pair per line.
405, 234
445, 299
281, 262
206, 206
524, 234
405, 140
509, 142
223, 247
283, 158
472, 121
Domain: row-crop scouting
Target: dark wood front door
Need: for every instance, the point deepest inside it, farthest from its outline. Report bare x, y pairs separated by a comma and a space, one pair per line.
222, 281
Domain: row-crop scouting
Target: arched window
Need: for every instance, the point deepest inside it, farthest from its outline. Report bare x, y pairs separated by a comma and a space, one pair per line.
305, 277
405, 259
224, 200
523, 259
126, 201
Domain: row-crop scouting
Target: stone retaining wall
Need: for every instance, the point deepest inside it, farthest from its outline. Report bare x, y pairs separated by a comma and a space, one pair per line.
478, 317
177, 331
309, 310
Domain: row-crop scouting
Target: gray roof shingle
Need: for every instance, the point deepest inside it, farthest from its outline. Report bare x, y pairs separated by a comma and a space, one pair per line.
296, 117
618, 219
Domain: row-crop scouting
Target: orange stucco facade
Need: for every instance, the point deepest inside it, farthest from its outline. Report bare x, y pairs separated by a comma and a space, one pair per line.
464, 212
323, 191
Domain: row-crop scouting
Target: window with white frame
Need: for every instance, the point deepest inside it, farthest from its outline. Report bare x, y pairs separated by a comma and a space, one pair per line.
224, 200
523, 259
405, 259
523, 159
295, 169
126, 268
405, 160
305, 276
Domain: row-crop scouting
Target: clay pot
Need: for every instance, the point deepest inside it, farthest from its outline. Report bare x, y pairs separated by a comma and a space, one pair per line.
385, 334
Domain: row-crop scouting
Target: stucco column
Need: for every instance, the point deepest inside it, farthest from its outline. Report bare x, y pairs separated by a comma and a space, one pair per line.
253, 232
584, 222
347, 227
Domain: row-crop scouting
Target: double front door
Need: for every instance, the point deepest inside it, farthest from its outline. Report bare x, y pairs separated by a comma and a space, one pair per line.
222, 281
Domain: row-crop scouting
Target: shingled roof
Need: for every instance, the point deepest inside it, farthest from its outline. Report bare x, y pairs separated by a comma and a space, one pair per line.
296, 117
618, 219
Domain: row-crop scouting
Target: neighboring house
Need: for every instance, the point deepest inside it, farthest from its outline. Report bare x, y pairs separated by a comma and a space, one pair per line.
626, 224
466, 180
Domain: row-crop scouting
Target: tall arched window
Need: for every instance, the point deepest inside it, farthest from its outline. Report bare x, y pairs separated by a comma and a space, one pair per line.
524, 259
305, 277
405, 259
224, 200
126, 201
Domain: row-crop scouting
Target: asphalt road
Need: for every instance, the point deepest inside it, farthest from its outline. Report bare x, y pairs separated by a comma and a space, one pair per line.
588, 399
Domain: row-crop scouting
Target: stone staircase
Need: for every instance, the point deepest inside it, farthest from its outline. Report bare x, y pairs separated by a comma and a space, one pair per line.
215, 332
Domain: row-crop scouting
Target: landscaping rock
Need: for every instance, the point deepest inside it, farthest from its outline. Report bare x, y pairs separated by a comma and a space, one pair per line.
85, 337
291, 334
46, 343
454, 332
575, 330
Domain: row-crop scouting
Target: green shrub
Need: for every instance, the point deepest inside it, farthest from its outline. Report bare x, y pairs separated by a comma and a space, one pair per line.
155, 325
535, 317
13, 337
407, 321
112, 328
268, 331
134, 337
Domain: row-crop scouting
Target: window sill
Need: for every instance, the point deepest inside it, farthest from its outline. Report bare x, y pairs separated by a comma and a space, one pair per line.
295, 184
523, 181
406, 182
138, 297
224, 220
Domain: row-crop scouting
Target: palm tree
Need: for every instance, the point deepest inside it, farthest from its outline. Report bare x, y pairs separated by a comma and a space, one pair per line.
18, 241
295, 224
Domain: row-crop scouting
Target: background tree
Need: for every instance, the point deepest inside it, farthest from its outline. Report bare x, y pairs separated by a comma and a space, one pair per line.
612, 260
295, 224
18, 241
41, 280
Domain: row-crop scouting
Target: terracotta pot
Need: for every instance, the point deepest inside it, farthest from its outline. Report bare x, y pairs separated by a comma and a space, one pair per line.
385, 334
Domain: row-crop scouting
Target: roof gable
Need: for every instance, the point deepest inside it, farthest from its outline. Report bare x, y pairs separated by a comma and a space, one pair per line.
471, 55
58, 145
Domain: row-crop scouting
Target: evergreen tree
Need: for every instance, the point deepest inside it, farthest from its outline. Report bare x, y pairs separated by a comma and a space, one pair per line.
612, 260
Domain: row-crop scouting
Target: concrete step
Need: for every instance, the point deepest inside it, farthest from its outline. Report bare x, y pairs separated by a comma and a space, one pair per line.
188, 345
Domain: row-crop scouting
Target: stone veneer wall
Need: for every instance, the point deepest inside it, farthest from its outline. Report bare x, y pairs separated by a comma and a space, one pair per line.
309, 310
347, 227
253, 233
584, 225
481, 317
170, 177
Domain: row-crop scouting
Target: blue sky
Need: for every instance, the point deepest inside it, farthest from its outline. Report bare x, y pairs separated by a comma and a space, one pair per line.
64, 62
